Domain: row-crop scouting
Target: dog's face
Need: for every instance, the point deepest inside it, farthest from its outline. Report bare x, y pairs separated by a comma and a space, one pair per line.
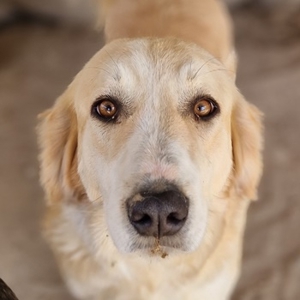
156, 131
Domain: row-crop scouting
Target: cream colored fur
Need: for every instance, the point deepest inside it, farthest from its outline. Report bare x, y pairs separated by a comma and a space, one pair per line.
160, 55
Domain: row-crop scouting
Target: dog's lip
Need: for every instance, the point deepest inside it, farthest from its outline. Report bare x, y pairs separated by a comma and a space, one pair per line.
159, 252
156, 246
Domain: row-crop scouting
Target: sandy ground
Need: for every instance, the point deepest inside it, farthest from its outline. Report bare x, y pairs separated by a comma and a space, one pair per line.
37, 61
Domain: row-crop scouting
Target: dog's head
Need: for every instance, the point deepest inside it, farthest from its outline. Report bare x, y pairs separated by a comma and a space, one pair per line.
156, 132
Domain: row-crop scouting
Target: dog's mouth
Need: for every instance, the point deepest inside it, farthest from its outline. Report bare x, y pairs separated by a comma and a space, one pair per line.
158, 247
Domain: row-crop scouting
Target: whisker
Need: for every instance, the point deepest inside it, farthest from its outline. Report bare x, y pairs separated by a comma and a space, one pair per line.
212, 58
96, 199
218, 70
118, 75
218, 197
102, 69
111, 58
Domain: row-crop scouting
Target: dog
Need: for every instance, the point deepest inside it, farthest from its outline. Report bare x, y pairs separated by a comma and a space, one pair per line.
150, 158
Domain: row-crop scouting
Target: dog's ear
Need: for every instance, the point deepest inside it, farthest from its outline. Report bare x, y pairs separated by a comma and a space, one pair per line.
231, 64
57, 133
247, 148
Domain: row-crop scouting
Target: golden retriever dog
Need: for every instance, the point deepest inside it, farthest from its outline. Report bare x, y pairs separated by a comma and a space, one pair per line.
151, 156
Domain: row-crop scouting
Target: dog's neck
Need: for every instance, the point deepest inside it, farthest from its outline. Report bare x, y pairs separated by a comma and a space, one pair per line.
207, 273
165, 18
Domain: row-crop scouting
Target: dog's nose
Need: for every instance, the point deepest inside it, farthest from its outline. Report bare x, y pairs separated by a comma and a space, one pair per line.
159, 214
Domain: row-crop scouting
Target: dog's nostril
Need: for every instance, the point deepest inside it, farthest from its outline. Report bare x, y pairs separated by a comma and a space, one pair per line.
174, 218
142, 219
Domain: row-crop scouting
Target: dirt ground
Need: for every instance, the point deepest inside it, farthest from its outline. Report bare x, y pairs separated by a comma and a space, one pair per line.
38, 61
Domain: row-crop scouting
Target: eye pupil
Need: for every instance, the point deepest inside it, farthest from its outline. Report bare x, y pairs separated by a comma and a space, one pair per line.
202, 107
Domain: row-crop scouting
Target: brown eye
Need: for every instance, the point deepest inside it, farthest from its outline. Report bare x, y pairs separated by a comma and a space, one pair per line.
105, 109
204, 108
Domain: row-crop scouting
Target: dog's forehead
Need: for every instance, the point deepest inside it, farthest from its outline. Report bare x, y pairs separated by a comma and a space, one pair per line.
137, 67
138, 58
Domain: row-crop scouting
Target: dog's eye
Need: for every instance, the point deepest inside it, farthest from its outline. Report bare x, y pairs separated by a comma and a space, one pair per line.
205, 108
106, 109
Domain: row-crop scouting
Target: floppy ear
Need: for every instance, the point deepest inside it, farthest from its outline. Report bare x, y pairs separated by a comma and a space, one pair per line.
231, 63
57, 133
247, 148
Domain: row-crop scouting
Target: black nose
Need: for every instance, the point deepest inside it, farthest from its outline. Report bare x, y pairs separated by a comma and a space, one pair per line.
159, 214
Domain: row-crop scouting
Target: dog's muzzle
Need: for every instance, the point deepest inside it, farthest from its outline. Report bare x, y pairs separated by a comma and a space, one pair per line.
158, 214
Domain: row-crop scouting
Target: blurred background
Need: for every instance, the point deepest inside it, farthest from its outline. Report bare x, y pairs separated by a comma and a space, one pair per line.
43, 44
